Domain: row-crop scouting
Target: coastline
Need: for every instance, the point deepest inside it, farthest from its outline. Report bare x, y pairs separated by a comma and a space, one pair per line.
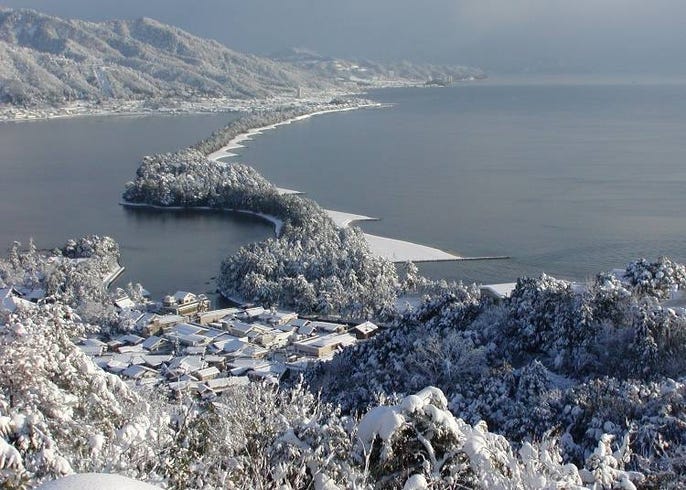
162, 107
276, 222
235, 142
394, 250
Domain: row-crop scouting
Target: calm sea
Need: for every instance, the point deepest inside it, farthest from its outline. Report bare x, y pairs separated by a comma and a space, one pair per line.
64, 178
566, 178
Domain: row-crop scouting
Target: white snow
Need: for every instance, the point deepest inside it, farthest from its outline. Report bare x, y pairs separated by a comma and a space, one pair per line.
379, 421
342, 220
284, 192
99, 481
402, 251
502, 290
416, 482
235, 143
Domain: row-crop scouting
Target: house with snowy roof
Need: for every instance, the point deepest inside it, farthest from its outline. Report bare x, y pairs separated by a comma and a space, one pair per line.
365, 330
185, 303
275, 317
325, 345
328, 327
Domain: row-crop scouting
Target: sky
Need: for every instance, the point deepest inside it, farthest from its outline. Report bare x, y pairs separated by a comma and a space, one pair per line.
505, 36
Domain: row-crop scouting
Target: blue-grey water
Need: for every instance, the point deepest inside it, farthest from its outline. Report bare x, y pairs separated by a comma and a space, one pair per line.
64, 178
567, 178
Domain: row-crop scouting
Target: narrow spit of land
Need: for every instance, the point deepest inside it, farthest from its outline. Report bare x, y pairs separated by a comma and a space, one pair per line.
392, 249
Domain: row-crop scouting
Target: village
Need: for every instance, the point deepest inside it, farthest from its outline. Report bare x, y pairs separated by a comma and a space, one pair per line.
192, 349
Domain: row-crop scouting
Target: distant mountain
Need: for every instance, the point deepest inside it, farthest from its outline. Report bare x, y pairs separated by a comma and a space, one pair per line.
49, 61
363, 72
45, 59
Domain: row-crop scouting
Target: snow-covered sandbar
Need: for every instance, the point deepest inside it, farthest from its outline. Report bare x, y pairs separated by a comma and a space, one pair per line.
401, 251
237, 141
389, 248
342, 220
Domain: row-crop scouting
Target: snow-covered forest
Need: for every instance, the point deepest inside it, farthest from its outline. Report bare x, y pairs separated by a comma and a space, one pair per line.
573, 365
312, 265
560, 386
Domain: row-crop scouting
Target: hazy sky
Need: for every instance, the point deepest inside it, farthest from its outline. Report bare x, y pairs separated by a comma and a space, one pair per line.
601, 36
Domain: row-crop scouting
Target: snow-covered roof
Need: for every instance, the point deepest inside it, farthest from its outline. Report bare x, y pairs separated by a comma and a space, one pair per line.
223, 383
328, 326
185, 329
181, 296
187, 363
206, 372
156, 360
152, 342
366, 327
230, 345
124, 303
130, 339
138, 371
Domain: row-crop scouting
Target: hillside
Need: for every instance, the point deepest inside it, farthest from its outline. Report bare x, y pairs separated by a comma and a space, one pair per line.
371, 73
45, 59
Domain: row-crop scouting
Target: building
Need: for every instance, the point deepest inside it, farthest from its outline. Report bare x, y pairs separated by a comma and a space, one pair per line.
212, 316
185, 304
365, 330
276, 318
325, 345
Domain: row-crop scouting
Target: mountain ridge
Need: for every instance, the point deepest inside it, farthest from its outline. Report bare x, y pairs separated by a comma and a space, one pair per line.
47, 61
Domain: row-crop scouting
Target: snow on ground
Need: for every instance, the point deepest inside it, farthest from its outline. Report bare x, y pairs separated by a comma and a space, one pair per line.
235, 143
284, 192
342, 219
401, 251
98, 481
389, 248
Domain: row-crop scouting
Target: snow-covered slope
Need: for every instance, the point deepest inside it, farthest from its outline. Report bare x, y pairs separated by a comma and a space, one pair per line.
45, 59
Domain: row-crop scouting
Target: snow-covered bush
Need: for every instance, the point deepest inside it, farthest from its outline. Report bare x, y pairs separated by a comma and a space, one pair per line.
657, 278
74, 275
60, 413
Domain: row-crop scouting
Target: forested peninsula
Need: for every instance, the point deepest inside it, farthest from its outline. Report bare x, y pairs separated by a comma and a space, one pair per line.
312, 265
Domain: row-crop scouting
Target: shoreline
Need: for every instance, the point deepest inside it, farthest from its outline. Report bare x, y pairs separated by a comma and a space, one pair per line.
166, 107
392, 249
276, 222
235, 142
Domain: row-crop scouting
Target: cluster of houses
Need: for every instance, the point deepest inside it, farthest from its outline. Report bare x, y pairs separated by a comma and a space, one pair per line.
193, 349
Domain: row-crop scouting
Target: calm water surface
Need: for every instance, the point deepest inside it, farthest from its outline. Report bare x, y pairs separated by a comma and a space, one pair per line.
567, 178
64, 178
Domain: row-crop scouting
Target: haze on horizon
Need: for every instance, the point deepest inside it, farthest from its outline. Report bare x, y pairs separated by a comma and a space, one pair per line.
501, 36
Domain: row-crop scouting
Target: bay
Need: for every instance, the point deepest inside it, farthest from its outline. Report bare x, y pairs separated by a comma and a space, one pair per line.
567, 177
63, 178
